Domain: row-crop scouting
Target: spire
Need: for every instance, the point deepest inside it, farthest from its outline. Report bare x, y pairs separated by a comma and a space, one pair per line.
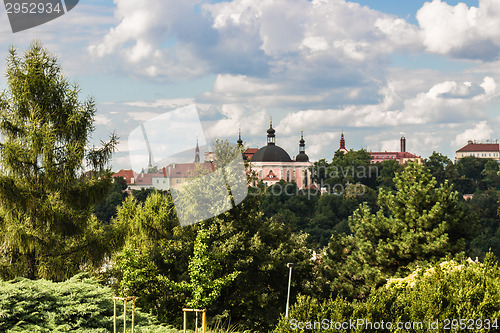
197, 153
302, 142
302, 157
342, 141
240, 142
270, 133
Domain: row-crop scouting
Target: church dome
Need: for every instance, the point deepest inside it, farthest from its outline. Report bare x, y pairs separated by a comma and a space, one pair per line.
271, 152
302, 157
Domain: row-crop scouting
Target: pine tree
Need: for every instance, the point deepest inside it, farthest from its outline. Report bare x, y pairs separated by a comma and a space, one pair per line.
46, 199
416, 224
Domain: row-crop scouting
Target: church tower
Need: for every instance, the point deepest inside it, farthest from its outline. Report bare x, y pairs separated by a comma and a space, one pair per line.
302, 156
270, 134
240, 142
342, 144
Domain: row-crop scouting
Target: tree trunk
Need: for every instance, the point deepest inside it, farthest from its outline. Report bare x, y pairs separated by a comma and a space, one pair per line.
31, 262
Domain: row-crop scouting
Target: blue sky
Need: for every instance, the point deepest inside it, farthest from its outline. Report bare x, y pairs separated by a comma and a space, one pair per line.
372, 68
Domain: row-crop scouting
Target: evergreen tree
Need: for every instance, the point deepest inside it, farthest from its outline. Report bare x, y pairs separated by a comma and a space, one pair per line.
418, 223
46, 199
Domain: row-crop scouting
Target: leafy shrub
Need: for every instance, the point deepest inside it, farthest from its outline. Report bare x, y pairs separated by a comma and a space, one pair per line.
450, 290
76, 305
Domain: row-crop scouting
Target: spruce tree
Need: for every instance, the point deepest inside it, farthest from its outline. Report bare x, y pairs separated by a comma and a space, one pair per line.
46, 198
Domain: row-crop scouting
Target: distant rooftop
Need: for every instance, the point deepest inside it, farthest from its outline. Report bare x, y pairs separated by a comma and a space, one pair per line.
482, 147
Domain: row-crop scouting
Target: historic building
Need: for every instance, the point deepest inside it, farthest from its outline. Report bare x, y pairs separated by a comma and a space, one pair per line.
173, 176
342, 147
401, 156
272, 163
479, 150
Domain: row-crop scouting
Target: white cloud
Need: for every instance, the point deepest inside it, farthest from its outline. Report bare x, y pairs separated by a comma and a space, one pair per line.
237, 85
480, 132
236, 116
162, 103
101, 119
142, 115
254, 38
444, 102
461, 31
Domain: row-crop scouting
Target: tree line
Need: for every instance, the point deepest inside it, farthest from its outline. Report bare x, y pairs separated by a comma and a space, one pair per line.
61, 213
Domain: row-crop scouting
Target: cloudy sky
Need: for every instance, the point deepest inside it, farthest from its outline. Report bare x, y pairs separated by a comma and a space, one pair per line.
369, 68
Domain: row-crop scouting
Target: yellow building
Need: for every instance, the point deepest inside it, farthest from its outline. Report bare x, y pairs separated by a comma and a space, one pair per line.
479, 150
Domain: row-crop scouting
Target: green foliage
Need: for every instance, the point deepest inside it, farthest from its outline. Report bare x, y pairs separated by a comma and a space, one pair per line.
387, 170
77, 305
287, 203
490, 175
158, 254
106, 209
469, 174
154, 246
483, 206
418, 223
46, 199
352, 168
441, 167
204, 286
450, 290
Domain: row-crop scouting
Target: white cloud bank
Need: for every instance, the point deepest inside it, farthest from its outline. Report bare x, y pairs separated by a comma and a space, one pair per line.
461, 31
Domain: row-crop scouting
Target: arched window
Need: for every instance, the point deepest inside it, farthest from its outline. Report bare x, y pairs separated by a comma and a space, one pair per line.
305, 178
288, 175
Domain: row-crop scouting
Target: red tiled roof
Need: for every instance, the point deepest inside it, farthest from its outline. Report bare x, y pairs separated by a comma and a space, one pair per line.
147, 178
480, 147
392, 155
249, 152
127, 174
396, 154
185, 170
406, 155
383, 153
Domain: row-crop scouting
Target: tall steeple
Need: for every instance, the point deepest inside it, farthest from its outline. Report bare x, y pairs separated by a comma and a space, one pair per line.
342, 144
342, 141
302, 143
302, 157
270, 133
240, 142
197, 153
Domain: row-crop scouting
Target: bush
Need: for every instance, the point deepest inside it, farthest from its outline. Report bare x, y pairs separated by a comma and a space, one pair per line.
450, 290
76, 305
